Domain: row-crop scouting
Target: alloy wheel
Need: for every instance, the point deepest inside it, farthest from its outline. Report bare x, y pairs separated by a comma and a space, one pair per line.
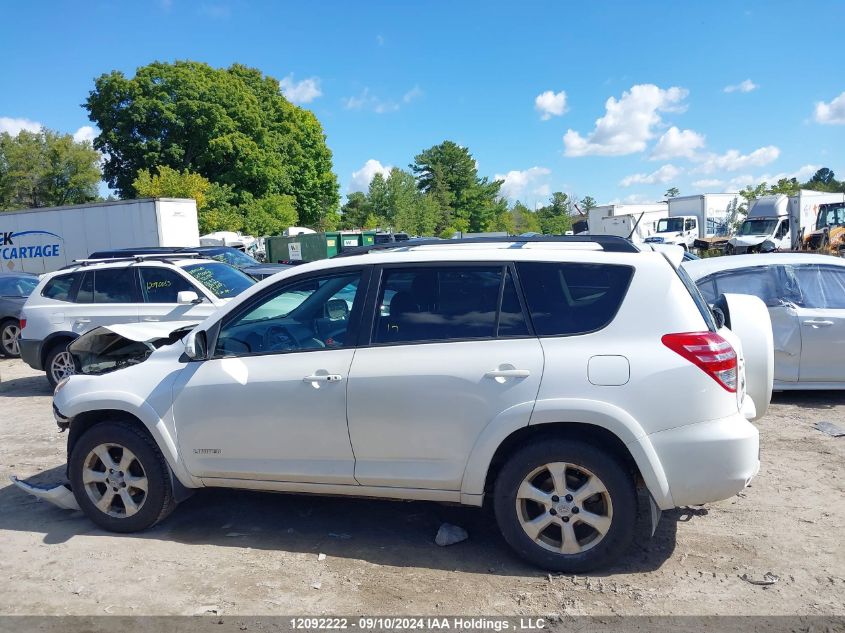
62, 366
564, 508
115, 480
9, 337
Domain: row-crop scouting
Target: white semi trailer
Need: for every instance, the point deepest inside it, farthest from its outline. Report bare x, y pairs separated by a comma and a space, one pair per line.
43, 240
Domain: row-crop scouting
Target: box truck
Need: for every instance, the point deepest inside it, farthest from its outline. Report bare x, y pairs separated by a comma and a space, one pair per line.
43, 240
623, 219
700, 220
779, 223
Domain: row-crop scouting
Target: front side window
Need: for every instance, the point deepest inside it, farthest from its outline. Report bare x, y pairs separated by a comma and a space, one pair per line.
820, 286
223, 280
109, 285
434, 303
58, 288
162, 285
307, 315
570, 298
759, 281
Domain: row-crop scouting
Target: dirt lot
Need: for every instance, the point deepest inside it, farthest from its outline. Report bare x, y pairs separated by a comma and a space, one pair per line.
249, 553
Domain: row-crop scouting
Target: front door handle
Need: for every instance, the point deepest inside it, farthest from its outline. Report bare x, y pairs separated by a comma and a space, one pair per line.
818, 323
508, 373
323, 378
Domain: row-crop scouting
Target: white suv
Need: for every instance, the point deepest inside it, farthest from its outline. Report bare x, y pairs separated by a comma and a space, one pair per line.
551, 378
146, 288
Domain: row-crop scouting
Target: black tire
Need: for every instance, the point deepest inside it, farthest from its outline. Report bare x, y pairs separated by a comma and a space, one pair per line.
158, 499
619, 487
52, 353
6, 323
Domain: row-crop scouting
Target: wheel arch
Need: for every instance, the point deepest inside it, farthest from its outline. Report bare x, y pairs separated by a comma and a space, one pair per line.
82, 422
52, 340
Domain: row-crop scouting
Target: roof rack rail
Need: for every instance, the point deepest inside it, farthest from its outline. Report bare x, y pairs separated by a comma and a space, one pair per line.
160, 257
610, 243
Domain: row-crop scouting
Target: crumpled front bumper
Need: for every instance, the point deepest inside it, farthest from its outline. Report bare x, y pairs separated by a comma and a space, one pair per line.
59, 495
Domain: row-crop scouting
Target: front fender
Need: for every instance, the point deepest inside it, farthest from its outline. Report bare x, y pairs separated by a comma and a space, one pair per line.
85, 402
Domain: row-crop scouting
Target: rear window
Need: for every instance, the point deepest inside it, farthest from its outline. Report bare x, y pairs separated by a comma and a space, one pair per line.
570, 298
58, 288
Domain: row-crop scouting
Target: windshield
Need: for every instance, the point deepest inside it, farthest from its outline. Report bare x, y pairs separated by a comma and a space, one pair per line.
670, 225
231, 256
831, 215
223, 280
14, 286
758, 227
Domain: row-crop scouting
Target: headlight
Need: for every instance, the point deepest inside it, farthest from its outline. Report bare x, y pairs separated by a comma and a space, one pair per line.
60, 385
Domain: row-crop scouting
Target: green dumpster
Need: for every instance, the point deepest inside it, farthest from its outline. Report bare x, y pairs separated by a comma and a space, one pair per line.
302, 248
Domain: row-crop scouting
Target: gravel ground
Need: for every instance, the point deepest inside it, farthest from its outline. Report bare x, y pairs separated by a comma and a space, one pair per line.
250, 553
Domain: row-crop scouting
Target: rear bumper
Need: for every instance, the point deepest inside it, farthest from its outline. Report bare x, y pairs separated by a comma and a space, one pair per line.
31, 352
708, 461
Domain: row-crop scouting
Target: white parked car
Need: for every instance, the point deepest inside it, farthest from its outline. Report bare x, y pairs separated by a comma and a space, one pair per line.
805, 296
549, 378
145, 288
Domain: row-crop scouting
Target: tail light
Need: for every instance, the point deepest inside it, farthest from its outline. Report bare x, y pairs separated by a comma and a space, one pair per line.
710, 352
22, 323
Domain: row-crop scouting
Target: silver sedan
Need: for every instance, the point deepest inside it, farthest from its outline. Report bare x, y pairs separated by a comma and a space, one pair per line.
805, 294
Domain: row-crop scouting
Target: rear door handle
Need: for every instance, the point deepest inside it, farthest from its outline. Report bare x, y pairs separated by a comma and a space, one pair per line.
151, 319
323, 378
83, 320
508, 373
817, 323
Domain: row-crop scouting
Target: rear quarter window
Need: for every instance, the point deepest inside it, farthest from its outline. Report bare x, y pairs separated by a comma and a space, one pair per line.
59, 288
570, 298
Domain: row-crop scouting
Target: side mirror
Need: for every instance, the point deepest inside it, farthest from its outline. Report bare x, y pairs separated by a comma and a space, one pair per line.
337, 309
187, 297
196, 344
719, 317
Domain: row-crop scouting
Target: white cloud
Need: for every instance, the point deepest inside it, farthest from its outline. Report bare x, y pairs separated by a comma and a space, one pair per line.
832, 113
304, 91
85, 133
361, 178
517, 182
677, 143
413, 93
708, 183
664, 174
550, 104
628, 122
733, 160
742, 86
14, 126
368, 101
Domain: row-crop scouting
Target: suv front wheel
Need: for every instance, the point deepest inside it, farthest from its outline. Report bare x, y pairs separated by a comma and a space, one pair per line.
565, 505
119, 477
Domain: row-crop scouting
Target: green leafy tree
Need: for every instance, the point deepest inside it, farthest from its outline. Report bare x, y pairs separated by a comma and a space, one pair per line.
448, 173
672, 192
170, 183
556, 217
786, 186
46, 169
270, 215
587, 203
824, 180
524, 219
356, 211
232, 126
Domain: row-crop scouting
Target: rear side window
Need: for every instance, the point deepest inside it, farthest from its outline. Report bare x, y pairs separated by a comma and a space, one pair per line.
58, 288
110, 285
162, 285
440, 303
570, 298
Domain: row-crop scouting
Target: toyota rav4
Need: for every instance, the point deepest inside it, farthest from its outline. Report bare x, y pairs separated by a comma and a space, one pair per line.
551, 378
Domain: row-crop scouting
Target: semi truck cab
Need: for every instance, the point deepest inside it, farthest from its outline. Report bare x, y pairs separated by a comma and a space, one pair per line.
681, 230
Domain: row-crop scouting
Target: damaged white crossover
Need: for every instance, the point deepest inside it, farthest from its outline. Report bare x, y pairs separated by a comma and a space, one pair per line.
551, 378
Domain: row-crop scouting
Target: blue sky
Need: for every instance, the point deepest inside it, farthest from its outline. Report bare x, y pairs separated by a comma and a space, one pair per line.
707, 96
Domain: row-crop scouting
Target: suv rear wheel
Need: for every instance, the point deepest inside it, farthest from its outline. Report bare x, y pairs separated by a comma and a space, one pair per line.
565, 505
119, 478
58, 364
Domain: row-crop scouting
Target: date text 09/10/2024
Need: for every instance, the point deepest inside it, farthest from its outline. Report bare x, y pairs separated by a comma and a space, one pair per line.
418, 623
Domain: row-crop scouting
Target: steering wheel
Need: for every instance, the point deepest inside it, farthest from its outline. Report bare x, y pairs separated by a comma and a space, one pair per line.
278, 338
